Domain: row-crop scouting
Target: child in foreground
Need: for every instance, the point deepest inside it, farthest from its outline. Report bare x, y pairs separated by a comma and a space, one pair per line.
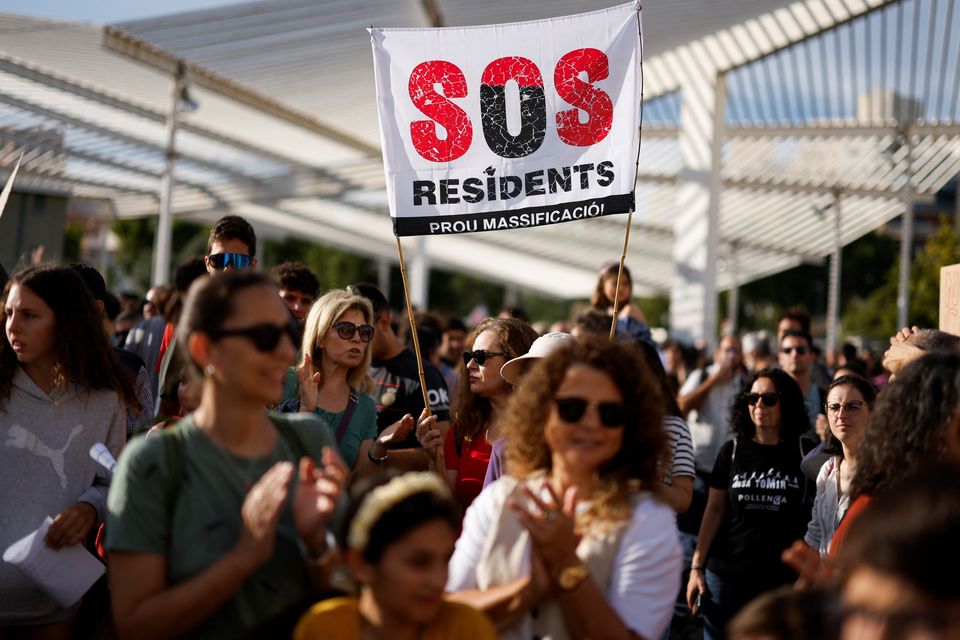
399, 539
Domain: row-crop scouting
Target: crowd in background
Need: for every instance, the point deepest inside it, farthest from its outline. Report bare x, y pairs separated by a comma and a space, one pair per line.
288, 466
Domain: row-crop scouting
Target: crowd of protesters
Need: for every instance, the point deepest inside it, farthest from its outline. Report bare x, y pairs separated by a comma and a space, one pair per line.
289, 468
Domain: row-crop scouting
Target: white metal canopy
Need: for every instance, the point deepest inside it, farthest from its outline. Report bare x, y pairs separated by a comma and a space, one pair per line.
820, 98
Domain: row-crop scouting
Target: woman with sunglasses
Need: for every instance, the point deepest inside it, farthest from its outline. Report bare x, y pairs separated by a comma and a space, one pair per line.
755, 508
478, 404
331, 377
220, 522
573, 544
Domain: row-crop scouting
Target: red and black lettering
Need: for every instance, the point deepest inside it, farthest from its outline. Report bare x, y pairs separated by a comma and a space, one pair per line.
440, 110
585, 96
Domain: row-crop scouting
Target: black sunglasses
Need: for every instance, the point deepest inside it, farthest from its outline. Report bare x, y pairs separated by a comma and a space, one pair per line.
480, 356
768, 399
801, 351
221, 261
346, 330
571, 409
265, 337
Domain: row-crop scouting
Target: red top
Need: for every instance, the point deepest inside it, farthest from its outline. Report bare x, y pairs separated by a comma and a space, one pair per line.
470, 465
167, 337
853, 512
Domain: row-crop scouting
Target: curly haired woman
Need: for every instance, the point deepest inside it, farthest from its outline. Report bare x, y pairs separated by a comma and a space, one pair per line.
573, 544
755, 506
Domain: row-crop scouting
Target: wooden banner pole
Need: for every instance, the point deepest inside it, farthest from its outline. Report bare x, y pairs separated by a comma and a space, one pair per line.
416, 347
616, 297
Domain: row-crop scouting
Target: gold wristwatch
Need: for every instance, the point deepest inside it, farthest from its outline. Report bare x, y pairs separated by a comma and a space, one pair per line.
571, 577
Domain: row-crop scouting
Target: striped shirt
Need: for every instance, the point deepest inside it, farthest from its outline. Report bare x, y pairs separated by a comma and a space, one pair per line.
681, 448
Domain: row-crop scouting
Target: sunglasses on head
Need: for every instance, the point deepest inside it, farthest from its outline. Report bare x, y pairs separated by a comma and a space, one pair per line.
221, 261
801, 351
346, 330
768, 399
265, 337
480, 355
571, 409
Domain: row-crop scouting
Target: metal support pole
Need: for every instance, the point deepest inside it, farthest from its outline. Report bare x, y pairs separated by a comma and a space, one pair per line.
511, 296
833, 288
715, 191
383, 276
102, 261
956, 205
420, 275
906, 237
696, 225
161, 253
733, 296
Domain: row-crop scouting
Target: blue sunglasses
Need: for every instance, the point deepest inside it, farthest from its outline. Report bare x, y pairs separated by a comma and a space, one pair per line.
221, 261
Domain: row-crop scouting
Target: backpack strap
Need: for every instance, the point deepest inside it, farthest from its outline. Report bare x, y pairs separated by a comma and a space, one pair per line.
174, 454
347, 414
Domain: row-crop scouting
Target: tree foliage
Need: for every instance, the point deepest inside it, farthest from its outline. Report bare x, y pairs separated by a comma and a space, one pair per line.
875, 315
136, 236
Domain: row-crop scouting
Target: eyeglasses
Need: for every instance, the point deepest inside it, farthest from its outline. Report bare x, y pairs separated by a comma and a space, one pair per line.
346, 330
833, 408
480, 355
221, 261
801, 351
768, 399
265, 337
571, 409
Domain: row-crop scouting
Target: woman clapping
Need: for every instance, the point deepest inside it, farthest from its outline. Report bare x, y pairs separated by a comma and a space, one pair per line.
220, 523
573, 544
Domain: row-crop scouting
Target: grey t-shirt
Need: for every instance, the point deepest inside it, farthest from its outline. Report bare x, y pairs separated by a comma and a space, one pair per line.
205, 520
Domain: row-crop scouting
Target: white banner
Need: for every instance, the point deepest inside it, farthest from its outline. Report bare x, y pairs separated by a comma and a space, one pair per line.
511, 125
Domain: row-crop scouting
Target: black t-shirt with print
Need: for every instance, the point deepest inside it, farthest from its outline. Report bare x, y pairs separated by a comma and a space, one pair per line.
765, 511
396, 391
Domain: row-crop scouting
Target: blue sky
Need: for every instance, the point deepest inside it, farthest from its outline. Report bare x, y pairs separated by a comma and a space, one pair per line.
104, 11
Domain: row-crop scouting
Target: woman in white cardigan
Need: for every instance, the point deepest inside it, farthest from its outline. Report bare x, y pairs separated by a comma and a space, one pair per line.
573, 544
849, 402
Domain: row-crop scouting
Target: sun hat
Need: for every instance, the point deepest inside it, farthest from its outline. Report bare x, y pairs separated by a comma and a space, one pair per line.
543, 346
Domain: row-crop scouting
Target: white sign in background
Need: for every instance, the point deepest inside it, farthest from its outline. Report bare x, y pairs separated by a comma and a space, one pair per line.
510, 125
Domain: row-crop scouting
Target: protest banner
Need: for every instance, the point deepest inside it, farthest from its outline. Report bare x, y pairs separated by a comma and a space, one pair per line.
512, 125
557, 103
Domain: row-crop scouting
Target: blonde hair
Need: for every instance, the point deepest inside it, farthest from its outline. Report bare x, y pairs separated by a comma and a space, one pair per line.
326, 312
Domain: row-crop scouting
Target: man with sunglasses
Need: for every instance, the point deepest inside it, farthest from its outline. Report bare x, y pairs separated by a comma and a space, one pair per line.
232, 246
796, 357
396, 383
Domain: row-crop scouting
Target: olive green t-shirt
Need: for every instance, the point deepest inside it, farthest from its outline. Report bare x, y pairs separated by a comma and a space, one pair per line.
205, 521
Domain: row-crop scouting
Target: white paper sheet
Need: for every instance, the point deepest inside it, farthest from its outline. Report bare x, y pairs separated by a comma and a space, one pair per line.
66, 574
